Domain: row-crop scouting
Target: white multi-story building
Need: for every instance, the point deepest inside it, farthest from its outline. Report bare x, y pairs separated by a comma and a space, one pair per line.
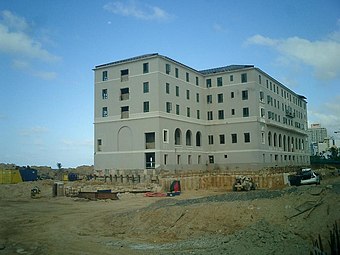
154, 112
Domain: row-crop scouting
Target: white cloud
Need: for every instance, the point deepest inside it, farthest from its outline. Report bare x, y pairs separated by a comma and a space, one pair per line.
33, 131
14, 22
132, 9
15, 40
27, 68
323, 55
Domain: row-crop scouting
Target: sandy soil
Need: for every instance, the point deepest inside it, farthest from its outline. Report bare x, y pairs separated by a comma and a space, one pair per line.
197, 222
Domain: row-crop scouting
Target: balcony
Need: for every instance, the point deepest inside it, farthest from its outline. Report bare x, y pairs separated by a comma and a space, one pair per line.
124, 115
124, 97
149, 145
124, 78
290, 114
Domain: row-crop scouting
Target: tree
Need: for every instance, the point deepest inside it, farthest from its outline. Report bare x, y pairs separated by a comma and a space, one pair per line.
334, 152
59, 166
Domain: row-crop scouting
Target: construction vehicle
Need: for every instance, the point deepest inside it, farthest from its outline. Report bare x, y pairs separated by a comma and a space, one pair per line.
243, 183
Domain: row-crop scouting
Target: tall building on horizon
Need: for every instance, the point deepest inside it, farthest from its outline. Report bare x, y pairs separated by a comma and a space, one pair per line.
316, 135
152, 112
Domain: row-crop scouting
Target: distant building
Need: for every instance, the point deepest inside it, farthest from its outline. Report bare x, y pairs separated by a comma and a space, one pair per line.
152, 112
316, 135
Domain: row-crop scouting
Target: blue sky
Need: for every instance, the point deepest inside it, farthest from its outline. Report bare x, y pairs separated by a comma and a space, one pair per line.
49, 48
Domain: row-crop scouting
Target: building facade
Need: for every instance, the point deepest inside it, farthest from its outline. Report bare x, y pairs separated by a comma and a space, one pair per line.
152, 112
316, 136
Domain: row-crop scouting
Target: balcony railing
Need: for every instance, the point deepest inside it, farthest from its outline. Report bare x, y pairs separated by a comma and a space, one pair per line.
124, 78
290, 114
124, 96
124, 115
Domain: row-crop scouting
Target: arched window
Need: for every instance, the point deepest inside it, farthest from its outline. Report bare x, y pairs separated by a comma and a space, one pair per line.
270, 138
178, 139
198, 138
284, 143
280, 140
188, 138
275, 140
288, 143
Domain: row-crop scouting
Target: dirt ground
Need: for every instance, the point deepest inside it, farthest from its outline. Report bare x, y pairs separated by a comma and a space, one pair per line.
196, 222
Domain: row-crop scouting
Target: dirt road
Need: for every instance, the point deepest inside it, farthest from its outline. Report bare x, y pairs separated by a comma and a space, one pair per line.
197, 222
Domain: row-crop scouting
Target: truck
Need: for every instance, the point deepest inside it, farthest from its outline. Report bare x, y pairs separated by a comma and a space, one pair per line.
304, 176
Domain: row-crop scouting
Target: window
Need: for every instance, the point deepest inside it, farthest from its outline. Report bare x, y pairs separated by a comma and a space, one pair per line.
244, 77
197, 82
165, 136
104, 112
124, 94
198, 139
145, 67
220, 98
124, 75
188, 111
178, 138
198, 116
262, 112
188, 136
177, 91
104, 94
176, 72
219, 81
220, 114
247, 137
261, 96
177, 109
210, 115
188, 94
150, 140
197, 97
233, 138
246, 112
209, 99
187, 77
178, 159
232, 94
210, 139
208, 83
168, 107
189, 159
165, 159
232, 111
244, 94
222, 139
99, 145
260, 80
263, 139
104, 76
167, 68
231, 78
145, 87
146, 106
167, 88
124, 112
211, 159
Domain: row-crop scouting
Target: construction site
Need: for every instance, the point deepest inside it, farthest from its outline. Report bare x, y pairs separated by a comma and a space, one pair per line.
168, 213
